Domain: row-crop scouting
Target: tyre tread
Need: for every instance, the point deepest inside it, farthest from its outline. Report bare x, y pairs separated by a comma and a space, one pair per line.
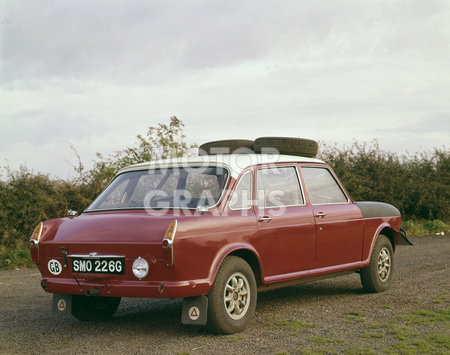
368, 275
216, 321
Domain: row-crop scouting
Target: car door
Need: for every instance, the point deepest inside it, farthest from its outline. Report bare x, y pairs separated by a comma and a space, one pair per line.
287, 235
339, 224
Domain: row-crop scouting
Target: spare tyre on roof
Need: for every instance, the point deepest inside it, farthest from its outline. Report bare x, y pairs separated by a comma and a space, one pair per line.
227, 146
286, 145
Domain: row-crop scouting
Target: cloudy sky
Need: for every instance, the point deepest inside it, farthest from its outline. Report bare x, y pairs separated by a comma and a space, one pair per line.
97, 73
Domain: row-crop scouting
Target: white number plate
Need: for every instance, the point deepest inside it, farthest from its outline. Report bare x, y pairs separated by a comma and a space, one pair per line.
98, 266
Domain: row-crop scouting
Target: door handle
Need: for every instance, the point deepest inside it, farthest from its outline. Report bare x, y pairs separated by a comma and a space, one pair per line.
320, 214
265, 219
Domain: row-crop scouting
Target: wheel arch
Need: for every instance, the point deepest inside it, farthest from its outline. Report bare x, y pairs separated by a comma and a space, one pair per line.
251, 259
389, 232
246, 252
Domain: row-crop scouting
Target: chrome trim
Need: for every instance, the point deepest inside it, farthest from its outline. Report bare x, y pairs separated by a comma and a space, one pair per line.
332, 203
225, 185
170, 243
40, 233
299, 182
251, 193
95, 256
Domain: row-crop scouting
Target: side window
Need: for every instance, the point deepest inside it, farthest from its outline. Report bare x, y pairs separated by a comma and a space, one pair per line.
278, 187
242, 195
322, 187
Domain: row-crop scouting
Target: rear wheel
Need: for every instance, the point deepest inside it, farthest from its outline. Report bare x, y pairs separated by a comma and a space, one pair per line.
377, 275
94, 308
232, 299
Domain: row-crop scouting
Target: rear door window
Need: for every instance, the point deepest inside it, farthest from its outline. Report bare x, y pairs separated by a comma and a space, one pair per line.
322, 187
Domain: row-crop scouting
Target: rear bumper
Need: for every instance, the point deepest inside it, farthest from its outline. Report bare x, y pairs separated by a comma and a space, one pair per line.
114, 288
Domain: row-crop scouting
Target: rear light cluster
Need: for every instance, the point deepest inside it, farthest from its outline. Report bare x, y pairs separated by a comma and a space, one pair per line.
168, 239
36, 236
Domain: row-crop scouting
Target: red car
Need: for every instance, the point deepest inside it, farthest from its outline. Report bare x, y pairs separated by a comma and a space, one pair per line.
215, 230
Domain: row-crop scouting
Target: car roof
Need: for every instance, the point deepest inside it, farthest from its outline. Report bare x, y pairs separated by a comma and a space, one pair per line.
236, 163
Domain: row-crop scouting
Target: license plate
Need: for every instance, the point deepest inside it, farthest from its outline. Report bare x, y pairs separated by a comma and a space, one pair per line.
98, 266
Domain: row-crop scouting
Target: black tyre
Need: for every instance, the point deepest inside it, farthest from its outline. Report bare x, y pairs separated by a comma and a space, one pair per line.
232, 299
94, 308
227, 146
285, 145
377, 276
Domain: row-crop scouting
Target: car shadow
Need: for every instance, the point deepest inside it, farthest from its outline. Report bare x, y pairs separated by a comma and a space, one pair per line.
312, 291
163, 316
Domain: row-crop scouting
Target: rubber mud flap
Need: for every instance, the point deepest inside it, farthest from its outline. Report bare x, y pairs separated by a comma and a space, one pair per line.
195, 310
62, 304
401, 238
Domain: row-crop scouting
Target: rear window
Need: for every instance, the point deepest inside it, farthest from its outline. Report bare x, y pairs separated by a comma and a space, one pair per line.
190, 187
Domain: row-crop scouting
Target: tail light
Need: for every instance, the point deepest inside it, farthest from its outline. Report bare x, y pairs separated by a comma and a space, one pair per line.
37, 233
168, 239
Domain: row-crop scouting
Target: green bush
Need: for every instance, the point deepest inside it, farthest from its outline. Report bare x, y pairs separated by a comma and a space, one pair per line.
436, 226
418, 185
17, 258
417, 228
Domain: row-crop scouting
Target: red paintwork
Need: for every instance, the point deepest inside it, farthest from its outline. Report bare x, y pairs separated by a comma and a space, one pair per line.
291, 246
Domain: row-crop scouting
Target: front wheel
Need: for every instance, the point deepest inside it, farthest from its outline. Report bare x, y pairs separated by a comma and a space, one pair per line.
94, 308
232, 299
377, 275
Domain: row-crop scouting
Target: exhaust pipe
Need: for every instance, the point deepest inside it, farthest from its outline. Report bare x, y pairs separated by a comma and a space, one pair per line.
94, 292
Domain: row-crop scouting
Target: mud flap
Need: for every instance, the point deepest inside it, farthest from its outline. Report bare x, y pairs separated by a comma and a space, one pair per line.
195, 310
62, 304
401, 238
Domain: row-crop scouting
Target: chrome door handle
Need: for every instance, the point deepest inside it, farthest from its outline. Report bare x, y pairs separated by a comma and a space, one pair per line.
320, 214
265, 219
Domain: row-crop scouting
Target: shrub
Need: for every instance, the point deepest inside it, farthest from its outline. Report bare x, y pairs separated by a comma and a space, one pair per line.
418, 185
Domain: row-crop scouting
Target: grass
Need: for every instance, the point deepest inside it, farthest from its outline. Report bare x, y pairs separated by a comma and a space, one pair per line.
439, 299
370, 335
417, 228
354, 317
292, 325
13, 259
427, 317
417, 332
234, 339
325, 340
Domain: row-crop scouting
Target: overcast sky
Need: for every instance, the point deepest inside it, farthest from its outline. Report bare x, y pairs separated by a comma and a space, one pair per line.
97, 73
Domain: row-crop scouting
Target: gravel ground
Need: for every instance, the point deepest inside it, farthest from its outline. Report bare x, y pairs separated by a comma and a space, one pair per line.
331, 316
